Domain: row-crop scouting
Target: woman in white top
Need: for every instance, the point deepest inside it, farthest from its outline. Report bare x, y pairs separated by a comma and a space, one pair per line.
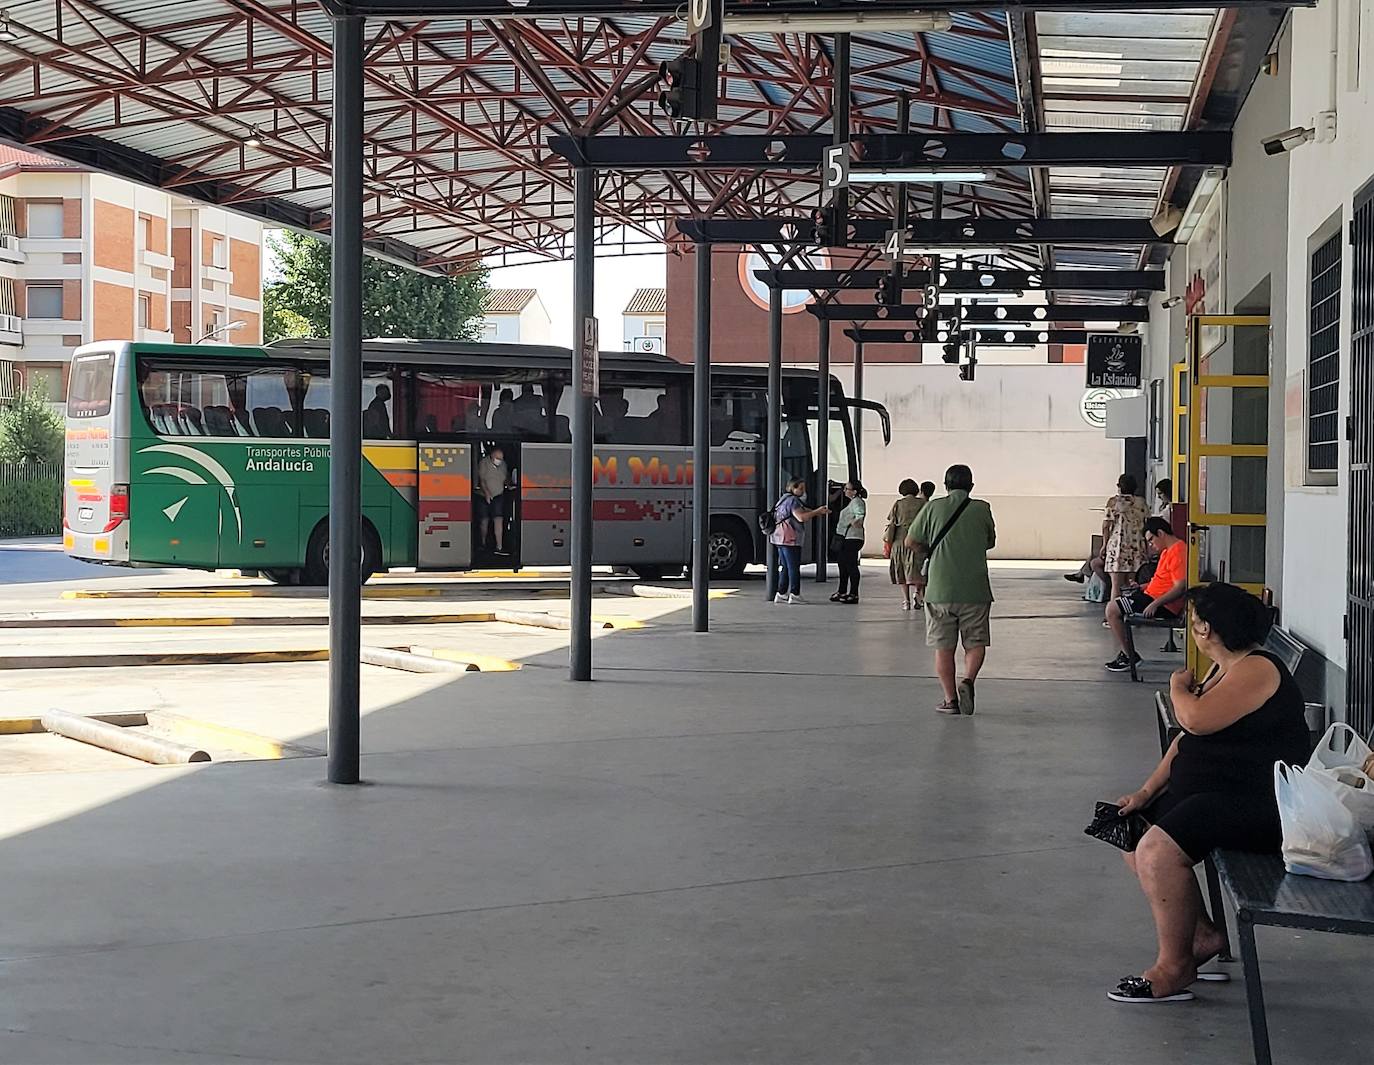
849, 531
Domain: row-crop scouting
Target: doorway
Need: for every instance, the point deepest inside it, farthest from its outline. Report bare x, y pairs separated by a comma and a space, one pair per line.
496, 503
1359, 621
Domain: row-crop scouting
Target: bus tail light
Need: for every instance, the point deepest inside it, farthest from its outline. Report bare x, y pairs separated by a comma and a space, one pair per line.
119, 507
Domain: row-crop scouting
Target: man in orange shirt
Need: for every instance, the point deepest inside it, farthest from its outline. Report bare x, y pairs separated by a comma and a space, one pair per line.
1163, 596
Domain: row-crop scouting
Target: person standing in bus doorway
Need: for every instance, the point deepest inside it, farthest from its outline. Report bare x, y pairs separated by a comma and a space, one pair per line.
492, 476
789, 514
850, 534
954, 534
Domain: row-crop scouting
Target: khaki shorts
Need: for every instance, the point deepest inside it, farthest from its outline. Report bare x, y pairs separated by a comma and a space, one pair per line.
947, 623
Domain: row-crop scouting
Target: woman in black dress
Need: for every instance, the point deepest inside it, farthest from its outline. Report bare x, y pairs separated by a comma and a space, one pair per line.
1215, 786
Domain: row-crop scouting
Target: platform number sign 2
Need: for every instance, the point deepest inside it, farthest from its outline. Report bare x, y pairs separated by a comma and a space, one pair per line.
834, 170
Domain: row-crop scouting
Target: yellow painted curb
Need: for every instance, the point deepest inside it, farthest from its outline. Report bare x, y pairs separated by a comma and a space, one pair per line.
210, 734
24, 725
482, 663
196, 658
617, 621
167, 593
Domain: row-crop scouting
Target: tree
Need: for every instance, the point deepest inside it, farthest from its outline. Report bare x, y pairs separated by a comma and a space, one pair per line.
397, 302
30, 430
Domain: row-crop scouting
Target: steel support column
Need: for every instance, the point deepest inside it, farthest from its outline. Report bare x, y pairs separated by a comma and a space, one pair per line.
584, 282
822, 441
773, 453
858, 411
346, 390
701, 446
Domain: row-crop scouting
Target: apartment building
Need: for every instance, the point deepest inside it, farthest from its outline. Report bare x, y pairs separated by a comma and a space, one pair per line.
515, 316
86, 257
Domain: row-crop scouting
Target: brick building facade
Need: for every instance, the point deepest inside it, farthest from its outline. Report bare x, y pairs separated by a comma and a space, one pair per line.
86, 257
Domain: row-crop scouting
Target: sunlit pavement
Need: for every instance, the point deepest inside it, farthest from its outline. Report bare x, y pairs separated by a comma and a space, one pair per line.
758, 844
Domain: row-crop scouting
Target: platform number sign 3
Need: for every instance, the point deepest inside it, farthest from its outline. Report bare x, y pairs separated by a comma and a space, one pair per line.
834, 170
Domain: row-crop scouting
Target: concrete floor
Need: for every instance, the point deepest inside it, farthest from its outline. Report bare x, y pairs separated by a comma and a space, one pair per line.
757, 845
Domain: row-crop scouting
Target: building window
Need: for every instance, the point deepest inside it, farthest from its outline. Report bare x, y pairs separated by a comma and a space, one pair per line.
218, 257
1324, 361
49, 378
145, 312
44, 218
42, 301
654, 328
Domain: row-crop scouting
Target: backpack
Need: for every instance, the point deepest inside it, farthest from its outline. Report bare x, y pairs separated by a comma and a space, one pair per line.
768, 519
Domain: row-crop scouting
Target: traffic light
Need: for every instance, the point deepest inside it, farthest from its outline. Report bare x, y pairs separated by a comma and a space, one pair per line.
889, 294
823, 235
951, 349
966, 370
680, 95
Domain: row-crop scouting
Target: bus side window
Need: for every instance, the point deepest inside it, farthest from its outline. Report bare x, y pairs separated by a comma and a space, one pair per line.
651, 414
447, 405
738, 415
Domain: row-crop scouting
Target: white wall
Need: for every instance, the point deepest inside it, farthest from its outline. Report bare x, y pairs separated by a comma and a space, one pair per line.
1323, 180
1045, 471
535, 327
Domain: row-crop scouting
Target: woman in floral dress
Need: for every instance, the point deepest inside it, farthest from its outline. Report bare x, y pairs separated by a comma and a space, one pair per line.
1123, 535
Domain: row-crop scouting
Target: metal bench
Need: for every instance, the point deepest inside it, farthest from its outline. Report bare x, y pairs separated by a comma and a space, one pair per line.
1139, 621
1262, 893
1290, 652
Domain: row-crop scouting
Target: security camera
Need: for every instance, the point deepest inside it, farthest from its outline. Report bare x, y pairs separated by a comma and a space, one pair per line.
1288, 140
1170, 302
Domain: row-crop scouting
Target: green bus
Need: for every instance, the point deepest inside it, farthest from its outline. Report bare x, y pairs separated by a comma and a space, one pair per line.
218, 457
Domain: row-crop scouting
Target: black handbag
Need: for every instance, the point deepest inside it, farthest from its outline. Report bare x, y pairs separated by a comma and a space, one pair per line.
1110, 826
836, 544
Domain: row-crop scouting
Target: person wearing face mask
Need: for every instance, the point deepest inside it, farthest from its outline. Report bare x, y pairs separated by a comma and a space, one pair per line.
790, 515
492, 478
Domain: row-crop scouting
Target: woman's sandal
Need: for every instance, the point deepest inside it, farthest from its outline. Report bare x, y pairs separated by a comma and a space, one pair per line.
837, 598
1136, 990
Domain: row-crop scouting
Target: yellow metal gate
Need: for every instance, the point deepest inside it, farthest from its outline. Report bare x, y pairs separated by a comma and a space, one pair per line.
1227, 453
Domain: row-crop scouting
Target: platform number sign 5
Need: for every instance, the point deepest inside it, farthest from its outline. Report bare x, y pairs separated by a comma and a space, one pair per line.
834, 170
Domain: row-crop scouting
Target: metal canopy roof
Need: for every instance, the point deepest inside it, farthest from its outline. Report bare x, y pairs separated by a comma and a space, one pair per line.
228, 101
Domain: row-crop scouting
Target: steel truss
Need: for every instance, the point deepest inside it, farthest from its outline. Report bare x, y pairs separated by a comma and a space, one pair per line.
228, 101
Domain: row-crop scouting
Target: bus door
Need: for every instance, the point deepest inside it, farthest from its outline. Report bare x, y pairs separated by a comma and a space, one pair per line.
496, 510
445, 505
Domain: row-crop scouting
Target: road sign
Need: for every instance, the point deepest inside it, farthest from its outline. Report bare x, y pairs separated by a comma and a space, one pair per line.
1114, 360
591, 357
834, 170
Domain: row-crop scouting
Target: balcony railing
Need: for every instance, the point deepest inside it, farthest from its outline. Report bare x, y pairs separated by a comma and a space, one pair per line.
11, 324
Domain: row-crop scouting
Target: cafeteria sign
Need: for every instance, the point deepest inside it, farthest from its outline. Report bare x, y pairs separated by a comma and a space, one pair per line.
1114, 360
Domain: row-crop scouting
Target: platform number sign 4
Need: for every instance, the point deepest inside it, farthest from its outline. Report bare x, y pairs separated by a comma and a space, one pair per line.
834, 170
895, 245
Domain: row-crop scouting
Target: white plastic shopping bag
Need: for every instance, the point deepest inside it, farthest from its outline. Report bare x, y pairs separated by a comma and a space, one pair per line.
1320, 836
1341, 772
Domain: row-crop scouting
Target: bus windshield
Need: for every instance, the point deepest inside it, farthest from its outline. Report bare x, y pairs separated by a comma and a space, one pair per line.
92, 381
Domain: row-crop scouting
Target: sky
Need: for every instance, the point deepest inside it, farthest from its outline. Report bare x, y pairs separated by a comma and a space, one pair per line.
617, 277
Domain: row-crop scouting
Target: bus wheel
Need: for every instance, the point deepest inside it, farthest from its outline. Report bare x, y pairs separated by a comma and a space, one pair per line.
316, 571
282, 576
729, 550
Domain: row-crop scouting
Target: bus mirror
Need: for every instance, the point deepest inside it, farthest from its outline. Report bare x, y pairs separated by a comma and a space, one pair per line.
884, 418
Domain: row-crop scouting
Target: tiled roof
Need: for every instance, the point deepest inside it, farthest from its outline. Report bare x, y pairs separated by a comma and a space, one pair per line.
12, 159
648, 301
508, 300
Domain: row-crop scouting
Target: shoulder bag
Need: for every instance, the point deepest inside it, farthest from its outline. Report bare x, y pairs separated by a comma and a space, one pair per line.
944, 529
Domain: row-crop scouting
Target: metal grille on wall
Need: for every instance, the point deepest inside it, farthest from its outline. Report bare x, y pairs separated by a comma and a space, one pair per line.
1359, 655
1324, 358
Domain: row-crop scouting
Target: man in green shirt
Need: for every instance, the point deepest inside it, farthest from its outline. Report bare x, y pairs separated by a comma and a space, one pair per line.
954, 534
